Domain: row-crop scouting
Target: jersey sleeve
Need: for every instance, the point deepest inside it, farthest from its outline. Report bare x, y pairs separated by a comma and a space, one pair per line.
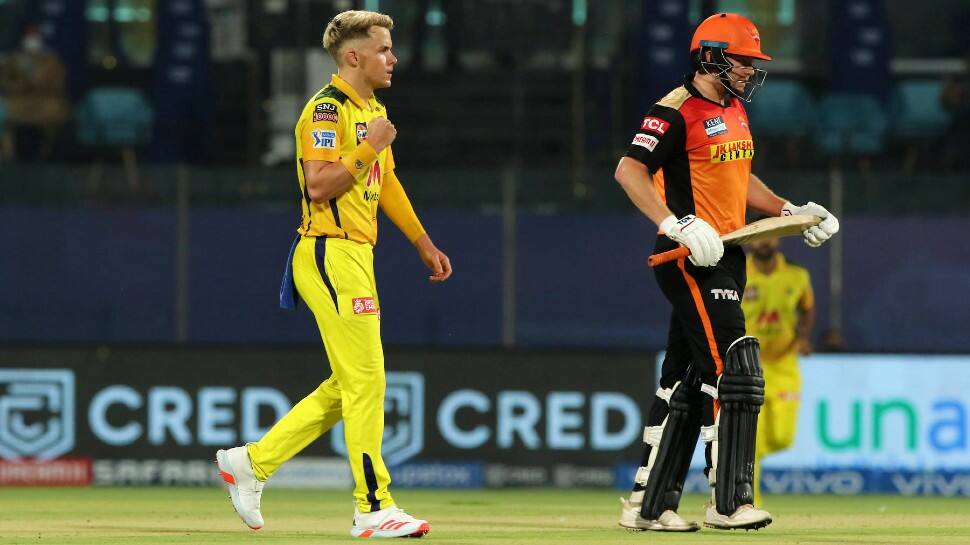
662, 133
320, 132
389, 165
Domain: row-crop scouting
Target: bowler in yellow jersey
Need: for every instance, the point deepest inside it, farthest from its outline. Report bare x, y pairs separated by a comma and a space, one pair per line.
346, 171
779, 309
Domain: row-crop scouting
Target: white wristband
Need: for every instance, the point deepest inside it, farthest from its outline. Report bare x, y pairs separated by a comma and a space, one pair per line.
667, 224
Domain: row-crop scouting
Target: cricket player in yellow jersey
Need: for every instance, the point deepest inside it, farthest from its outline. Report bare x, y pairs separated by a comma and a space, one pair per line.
779, 310
346, 170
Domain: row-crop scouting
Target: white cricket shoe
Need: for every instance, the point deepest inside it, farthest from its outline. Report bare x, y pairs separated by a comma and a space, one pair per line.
746, 517
389, 522
669, 521
236, 470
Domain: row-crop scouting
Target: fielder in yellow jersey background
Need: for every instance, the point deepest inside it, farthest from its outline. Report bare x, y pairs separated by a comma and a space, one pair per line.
345, 168
779, 309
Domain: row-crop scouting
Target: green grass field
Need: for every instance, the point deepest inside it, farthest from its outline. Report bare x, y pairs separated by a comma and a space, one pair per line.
204, 515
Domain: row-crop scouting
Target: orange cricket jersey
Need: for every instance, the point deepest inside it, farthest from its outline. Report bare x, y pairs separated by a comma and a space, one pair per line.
699, 153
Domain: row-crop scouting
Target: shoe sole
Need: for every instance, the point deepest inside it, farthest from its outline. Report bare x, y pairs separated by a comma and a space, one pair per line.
750, 526
661, 529
420, 532
229, 479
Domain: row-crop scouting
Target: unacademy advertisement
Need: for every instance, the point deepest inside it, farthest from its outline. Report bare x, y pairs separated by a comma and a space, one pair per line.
875, 423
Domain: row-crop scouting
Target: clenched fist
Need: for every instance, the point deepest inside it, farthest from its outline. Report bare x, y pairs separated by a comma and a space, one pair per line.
380, 133
705, 245
814, 236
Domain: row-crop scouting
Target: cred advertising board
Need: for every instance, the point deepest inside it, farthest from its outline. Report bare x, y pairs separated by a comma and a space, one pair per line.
148, 416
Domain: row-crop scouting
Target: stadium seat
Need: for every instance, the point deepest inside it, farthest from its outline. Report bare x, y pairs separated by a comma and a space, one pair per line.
851, 124
115, 117
916, 109
783, 108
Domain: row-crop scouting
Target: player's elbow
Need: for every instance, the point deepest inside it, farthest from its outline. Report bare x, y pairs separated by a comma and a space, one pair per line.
622, 172
316, 195
316, 189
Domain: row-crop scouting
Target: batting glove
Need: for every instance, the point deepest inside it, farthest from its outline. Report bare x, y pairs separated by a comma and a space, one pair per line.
815, 235
703, 241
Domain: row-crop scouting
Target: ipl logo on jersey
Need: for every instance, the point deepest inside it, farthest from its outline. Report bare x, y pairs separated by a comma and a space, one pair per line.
361, 132
36, 413
324, 139
403, 419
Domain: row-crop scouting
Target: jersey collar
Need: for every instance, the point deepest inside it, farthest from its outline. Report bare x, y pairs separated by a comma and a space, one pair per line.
689, 85
348, 89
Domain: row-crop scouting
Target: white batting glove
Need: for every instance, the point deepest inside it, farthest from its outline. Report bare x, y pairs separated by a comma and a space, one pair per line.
705, 245
816, 235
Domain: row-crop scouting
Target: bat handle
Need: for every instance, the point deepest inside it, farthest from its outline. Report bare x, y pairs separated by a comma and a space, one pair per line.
668, 256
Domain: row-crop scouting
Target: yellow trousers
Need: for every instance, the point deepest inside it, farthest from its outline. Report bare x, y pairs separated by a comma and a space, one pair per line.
335, 277
779, 414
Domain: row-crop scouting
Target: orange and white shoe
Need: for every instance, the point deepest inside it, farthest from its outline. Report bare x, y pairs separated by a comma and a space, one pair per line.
389, 522
236, 470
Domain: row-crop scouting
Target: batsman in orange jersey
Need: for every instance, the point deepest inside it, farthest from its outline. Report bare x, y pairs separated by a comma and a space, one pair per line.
688, 169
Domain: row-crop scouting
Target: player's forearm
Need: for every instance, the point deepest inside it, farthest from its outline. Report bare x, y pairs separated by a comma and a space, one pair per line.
806, 323
325, 181
636, 181
763, 199
396, 205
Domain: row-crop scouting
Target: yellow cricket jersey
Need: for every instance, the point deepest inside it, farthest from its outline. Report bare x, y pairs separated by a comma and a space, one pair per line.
771, 305
331, 126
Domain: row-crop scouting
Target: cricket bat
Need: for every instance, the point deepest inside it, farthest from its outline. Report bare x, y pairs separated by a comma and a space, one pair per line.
782, 226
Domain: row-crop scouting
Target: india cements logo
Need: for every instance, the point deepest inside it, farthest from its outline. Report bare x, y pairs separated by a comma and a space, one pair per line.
36, 413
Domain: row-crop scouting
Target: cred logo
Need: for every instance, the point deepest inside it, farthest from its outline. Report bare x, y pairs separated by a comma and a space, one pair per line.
655, 124
36, 413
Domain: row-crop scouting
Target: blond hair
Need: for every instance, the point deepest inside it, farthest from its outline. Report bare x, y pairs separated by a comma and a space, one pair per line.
349, 25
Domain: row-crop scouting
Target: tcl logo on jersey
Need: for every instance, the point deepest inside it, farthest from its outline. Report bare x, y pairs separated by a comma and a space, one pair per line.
364, 305
645, 141
715, 126
727, 295
361, 132
732, 151
654, 124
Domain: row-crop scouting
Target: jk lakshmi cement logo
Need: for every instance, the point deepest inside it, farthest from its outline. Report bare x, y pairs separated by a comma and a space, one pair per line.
36, 413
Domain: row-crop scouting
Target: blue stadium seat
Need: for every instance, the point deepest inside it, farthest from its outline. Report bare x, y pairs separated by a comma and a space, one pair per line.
782, 108
114, 117
916, 108
851, 124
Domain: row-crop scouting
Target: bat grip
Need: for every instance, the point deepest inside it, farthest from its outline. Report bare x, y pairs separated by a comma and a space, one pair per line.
668, 256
